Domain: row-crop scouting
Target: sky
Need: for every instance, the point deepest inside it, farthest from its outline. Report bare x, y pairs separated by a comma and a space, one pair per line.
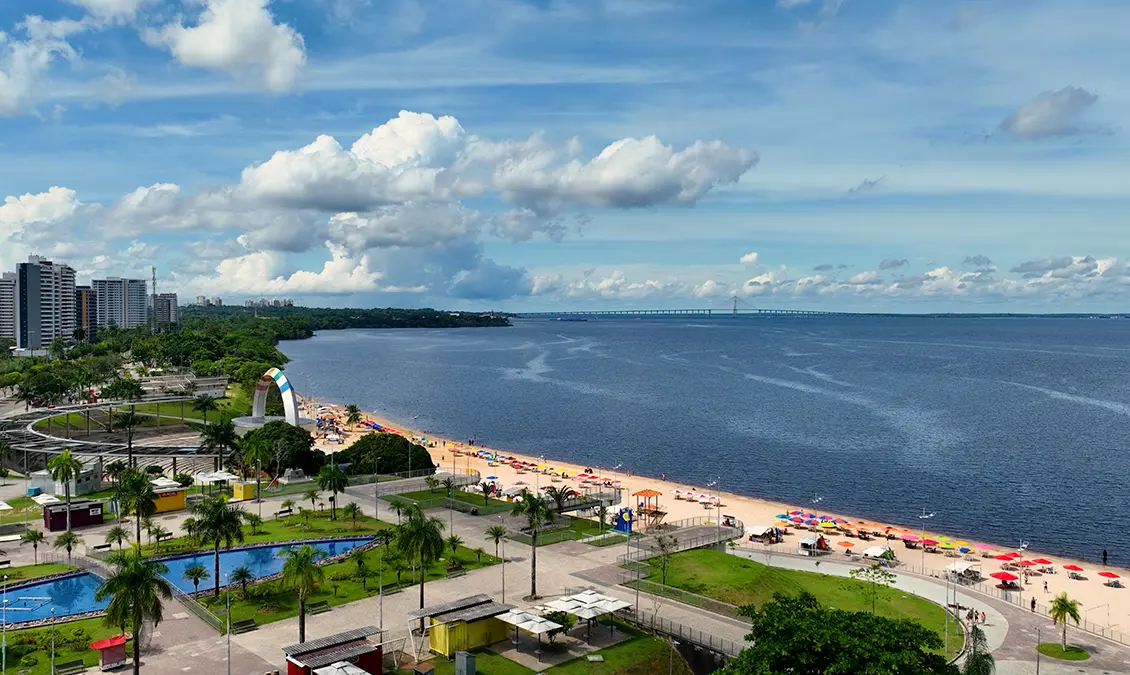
524, 155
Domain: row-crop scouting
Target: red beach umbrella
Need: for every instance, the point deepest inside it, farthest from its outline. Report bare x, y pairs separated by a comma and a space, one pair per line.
1015, 554
1005, 558
929, 542
1004, 576
1029, 563
1042, 561
1108, 575
1073, 568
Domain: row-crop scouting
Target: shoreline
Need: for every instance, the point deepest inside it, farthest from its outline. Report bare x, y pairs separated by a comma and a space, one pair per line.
754, 510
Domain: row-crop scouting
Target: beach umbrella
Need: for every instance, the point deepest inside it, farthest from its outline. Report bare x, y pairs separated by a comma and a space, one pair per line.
1015, 554
492, 477
782, 516
828, 524
1073, 568
846, 544
797, 520
965, 549
810, 522
1004, 576
961, 543
796, 513
825, 517
840, 521
910, 537
1029, 563
929, 542
948, 545
1108, 575
984, 547
1042, 561
1006, 558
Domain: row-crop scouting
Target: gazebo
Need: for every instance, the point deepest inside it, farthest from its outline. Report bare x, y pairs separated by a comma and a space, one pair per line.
588, 605
530, 623
649, 507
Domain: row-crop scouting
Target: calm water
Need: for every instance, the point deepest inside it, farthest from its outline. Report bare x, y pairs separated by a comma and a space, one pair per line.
1009, 428
69, 595
262, 561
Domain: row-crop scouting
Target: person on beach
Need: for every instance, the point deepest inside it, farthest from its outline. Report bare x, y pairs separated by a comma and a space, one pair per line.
983, 620
1033, 604
1045, 586
1104, 557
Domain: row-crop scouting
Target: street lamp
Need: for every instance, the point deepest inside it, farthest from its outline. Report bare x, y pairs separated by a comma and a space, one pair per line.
52, 641
227, 592
502, 564
4, 630
901, 598
923, 518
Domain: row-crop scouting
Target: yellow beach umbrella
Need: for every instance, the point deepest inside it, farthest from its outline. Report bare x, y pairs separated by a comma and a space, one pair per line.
827, 524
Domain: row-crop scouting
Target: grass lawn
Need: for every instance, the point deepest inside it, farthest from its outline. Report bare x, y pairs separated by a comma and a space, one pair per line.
26, 572
170, 414
738, 581
1054, 650
72, 642
292, 527
439, 493
640, 655
265, 604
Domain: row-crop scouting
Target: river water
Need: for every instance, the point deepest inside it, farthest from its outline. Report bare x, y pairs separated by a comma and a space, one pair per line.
1010, 429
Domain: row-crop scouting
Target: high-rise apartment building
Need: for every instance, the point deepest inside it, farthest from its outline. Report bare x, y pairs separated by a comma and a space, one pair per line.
218, 301
8, 306
86, 312
122, 302
165, 312
44, 303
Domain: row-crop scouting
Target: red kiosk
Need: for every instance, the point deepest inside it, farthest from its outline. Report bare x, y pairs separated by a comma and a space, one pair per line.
111, 651
352, 646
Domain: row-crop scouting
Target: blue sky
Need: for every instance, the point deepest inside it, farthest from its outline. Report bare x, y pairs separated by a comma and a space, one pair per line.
540, 154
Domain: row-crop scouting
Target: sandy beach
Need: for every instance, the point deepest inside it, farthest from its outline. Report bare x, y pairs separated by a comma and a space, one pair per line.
1111, 606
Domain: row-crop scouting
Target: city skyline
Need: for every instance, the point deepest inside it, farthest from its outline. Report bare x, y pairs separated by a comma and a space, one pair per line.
520, 155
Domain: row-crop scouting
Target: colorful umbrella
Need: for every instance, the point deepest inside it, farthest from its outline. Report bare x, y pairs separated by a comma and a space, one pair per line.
1004, 576
929, 542
1015, 554
782, 516
1005, 558
1029, 563
1073, 568
827, 524
1042, 561
910, 537
846, 544
948, 545
840, 521
965, 549
1108, 575
984, 547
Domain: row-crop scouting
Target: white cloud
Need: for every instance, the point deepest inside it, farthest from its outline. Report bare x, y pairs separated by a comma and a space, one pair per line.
407, 225
263, 272
110, 10
24, 62
55, 204
1052, 113
749, 258
239, 37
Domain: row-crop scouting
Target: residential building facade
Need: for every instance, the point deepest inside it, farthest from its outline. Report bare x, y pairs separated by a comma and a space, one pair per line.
44, 303
86, 312
8, 305
121, 302
165, 312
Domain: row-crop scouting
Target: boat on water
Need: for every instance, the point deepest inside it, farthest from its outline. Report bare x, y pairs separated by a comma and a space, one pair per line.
570, 318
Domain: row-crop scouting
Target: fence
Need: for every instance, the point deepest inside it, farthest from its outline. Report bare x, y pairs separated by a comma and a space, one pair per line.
199, 610
644, 549
76, 560
627, 578
544, 538
656, 624
416, 483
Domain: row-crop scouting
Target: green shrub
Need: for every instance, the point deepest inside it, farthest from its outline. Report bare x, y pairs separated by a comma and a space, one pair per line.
28, 660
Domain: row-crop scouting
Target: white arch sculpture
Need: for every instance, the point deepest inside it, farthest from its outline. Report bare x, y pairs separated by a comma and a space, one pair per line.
290, 402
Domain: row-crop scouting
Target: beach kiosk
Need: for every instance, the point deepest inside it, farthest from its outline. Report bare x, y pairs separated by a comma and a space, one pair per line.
463, 624
111, 652
170, 495
352, 646
649, 510
83, 512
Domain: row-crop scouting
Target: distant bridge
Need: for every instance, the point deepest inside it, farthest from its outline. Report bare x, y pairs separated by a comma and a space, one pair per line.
580, 314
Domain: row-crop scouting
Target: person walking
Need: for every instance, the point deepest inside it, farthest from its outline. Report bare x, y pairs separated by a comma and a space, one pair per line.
1104, 557
1033, 604
1045, 585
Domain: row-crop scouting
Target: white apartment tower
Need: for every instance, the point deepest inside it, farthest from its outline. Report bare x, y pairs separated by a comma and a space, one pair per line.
8, 305
122, 302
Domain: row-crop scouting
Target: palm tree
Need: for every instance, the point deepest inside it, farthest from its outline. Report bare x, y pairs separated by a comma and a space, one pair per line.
196, 574
311, 495
496, 533
352, 415
64, 468
479, 553
978, 660
219, 437
159, 533
136, 590
432, 482
449, 485
205, 404
114, 469
537, 513
332, 478
287, 504
135, 495
399, 507
148, 524
454, 541
384, 537
117, 535
220, 525
560, 495
35, 538
191, 530
68, 540
351, 511
357, 557
129, 421
486, 488
1062, 609
420, 538
256, 452
253, 521
241, 575
301, 574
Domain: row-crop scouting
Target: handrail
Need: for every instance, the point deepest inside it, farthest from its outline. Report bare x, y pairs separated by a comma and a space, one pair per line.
680, 632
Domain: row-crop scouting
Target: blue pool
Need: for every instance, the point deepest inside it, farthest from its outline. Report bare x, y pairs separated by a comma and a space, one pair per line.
262, 561
69, 595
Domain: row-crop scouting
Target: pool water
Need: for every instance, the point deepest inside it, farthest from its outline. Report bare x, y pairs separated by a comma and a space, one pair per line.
68, 596
262, 561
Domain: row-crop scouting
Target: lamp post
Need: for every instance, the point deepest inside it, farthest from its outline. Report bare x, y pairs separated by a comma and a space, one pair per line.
537, 479
1023, 547
4, 629
52, 640
503, 563
381, 592
922, 530
901, 598
227, 592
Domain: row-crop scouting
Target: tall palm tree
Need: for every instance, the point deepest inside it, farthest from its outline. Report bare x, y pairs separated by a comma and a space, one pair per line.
256, 452
399, 507
117, 535
135, 495
35, 538
384, 537
496, 533
159, 533
420, 538
449, 486
218, 437
352, 415
64, 468
357, 557
68, 540
195, 574
486, 489
147, 524
301, 574
205, 404
242, 575
536, 511
332, 478
351, 511
136, 590
312, 495
220, 525
978, 660
129, 421
454, 541
1062, 609
114, 469
560, 495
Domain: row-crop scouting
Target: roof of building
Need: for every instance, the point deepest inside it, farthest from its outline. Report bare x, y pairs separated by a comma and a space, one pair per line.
330, 641
475, 613
449, 607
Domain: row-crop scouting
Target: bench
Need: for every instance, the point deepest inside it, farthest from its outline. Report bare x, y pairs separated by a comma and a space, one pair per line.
163, 537
5, 563
283, 512
70, 668
101, 547
244, 626
318, 607
453, 574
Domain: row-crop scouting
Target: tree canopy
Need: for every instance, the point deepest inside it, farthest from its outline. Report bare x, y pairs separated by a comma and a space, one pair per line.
290, 446
386, 453
797, 636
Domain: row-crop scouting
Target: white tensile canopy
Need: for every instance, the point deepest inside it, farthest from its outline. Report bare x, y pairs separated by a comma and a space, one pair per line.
963, 566
530, 623
875, 552
44, 500
760, 530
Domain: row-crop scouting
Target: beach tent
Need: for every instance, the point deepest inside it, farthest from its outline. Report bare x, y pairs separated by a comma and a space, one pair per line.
962, 566
764, 531
878, 552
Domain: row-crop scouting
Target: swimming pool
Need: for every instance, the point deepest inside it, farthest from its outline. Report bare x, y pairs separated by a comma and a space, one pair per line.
67, 595
262, 560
